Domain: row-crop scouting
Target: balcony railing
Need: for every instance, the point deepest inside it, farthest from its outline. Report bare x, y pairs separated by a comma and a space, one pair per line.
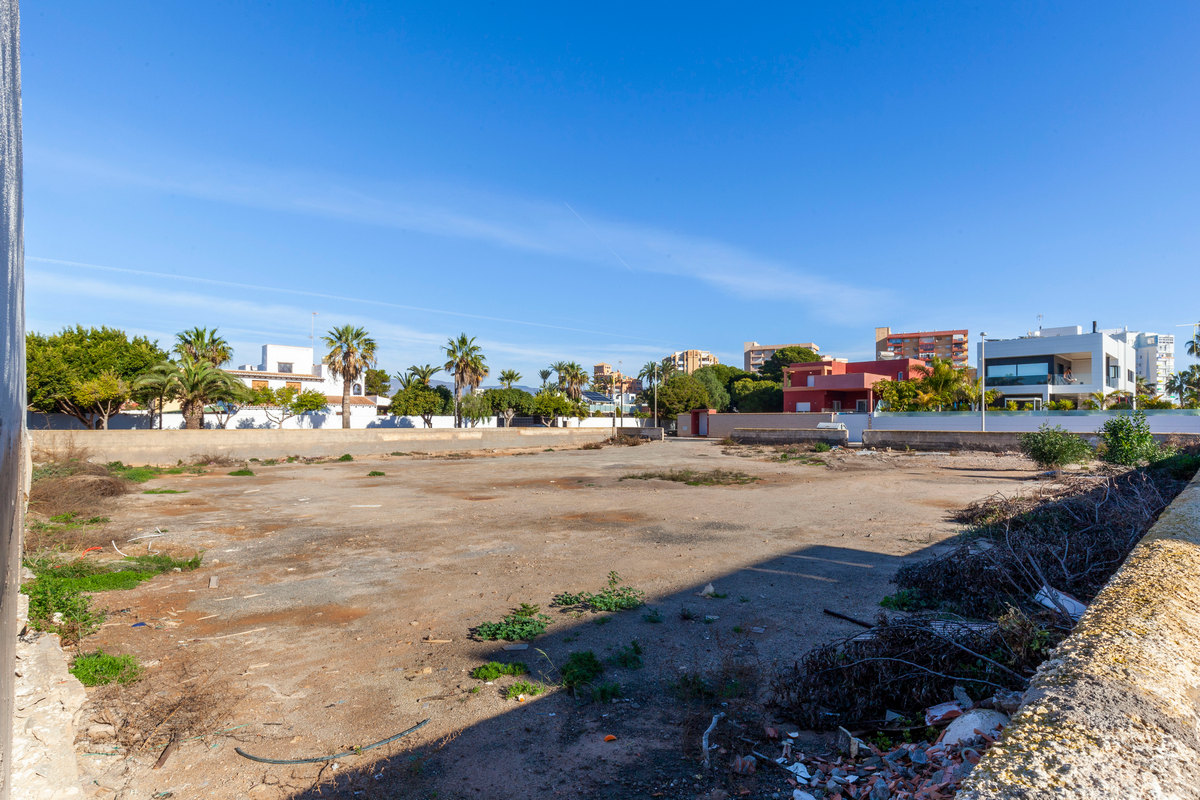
1031, 380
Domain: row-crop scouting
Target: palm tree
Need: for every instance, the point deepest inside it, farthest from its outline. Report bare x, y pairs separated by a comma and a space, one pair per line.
559, 368
508, 377
1193, 346
423, 373
1098, 399
650, 372
574, 378
201, 344
940, 379
156, 385
404, 380
465, 361
351, 353
198, 383
544, 374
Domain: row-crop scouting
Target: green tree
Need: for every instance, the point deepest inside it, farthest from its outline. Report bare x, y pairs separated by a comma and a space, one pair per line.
351, 353
105, 394
559, 369
56, 366
201, 344
573, 378
1193, 346
282, 404
544, 374
418, 400
750, 396
508, 377
474, 408
897, 395
508, 403
650, 373
153, 388
718, 395
679, 394
465, 361
772, 368
549, 404
940, 382
226, 408
377, 382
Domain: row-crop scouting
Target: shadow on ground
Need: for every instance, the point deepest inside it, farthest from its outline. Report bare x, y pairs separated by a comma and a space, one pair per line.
555, 745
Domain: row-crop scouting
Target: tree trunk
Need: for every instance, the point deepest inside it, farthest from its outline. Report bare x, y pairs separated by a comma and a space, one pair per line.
193, 416
345, 403
457, 404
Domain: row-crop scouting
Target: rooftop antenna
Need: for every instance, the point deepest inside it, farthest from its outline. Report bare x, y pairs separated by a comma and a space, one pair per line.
312, 330
1040, 318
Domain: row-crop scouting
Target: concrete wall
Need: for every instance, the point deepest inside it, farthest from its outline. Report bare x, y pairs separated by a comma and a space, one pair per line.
170, 447
12, 375
790, 436
255, 418
992, 441
1166, 421
1114, 712
722, 425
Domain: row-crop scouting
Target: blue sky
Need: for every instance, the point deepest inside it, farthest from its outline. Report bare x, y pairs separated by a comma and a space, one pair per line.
612, 183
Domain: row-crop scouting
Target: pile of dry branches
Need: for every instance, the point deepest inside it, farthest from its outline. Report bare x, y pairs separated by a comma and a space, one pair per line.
1071, 535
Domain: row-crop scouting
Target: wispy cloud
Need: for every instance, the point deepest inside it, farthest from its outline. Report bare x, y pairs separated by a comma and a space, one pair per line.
549, 228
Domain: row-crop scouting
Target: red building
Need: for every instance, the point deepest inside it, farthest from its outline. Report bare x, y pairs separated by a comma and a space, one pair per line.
840, 385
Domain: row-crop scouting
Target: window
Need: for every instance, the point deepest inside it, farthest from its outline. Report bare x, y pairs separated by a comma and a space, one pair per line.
256, 385
285, 366
293, 385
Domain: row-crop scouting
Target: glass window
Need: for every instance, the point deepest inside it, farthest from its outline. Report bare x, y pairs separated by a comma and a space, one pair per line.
1032, 370
285, 366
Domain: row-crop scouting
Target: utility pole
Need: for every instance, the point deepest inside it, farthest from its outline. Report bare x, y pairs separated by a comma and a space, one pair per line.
982, 382
312, 330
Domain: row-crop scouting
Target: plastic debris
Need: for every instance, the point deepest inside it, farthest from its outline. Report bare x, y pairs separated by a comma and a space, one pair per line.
942, 712
1060, 601
610, 738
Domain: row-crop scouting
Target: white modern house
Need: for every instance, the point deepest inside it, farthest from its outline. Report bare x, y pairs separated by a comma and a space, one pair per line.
1057, 363
285, 365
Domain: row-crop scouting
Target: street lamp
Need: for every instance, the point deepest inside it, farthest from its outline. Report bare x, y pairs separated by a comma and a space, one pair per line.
982, 382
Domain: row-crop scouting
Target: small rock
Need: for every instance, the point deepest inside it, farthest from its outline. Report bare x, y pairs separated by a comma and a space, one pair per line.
880, 790
918, 756
962, 698
708, 591
963, 728
798, 794
101, 732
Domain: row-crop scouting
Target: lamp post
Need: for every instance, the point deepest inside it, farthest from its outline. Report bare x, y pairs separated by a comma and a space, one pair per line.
982, 382
655, 378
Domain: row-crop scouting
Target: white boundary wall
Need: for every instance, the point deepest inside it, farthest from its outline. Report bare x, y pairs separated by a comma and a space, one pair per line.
256, 419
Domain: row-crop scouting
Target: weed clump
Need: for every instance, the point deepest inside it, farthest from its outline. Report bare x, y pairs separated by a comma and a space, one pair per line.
494, 669
629, 657
581, 669
164, 491
345, 457
375, 474
613, 597
522, 624
99, 668
691, 477
242, 473
606, 692
526, 688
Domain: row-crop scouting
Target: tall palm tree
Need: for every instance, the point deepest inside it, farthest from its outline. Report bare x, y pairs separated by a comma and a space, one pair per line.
1193, 346
198, 383
559, 368
650, 372
1099, 399
201, 344
508, 377
574, 378
465, 361
423, 373
940, 379
544, 374
351, 353
404, 380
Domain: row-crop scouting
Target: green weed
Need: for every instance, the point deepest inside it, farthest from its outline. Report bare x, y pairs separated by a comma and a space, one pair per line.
606, 692
527, 688
99, 668
242, 473
375, 474
691, 477
165, 491
613, 597
652, 616
904, 600
629, 657
345, 457
524, 623
494, 669
581, 669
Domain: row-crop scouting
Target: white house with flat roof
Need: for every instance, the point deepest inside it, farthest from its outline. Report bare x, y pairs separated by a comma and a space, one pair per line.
284, 365
1057, 363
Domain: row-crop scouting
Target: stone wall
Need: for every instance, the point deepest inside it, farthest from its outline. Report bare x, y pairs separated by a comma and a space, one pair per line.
991, 441
1114, 713
171, 447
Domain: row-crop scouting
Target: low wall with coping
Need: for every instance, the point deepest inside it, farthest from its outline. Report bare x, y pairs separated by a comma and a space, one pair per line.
170, 447
790, 436
990, 441
1114, 713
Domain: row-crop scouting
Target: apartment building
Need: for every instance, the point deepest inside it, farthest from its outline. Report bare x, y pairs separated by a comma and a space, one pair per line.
754, 355
1155, 355
604, 375
840, 385
1055, 363
688, 361
923, 345
288, 366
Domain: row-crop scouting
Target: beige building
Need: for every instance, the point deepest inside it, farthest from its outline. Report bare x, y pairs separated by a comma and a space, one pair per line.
755, 354
688, 361
604, 375
925, 345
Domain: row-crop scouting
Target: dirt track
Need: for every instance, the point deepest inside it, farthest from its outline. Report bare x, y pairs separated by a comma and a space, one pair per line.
329, 581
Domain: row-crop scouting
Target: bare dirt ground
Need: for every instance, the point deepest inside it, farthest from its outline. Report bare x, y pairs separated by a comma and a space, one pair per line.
330, 583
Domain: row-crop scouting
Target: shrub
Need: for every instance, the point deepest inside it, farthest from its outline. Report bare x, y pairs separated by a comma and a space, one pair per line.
99, 668
1054, 447
526, 688
375, 474
1127, 440
242, 473
523, 623
581, 669
613, 597
821, 447
345, 457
